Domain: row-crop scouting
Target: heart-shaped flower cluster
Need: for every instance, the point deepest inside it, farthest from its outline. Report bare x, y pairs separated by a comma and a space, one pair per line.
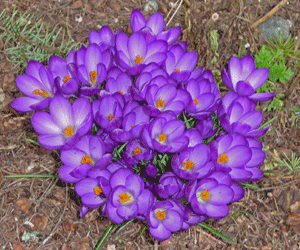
142, 132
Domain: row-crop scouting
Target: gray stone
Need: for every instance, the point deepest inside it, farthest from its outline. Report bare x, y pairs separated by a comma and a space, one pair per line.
273, 26
151, 5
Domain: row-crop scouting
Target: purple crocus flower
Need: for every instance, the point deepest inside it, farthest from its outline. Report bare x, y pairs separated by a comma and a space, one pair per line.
135, 152
105, 38
240, 116
66, 123
169, 186
165, 98
128, 197
133, 54
193, 163
92, 68
180, 64
94, 191
164, 218
194, 136
244, 79
192, 218
154, 27
135, 119
108, 113
109, 143
37, 85
165, 136
204, 98
89, 152
206, 128
224, 178
64, 71
208, 197
231, 153
151, 170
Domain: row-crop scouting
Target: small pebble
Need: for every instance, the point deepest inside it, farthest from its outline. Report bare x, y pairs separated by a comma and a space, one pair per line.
151, 5
78, 18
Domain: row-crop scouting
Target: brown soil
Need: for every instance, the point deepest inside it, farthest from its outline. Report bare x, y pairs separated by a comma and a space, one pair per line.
51, 207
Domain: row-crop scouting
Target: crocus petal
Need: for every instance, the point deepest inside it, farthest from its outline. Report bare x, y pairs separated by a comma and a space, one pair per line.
156, 23
188, 61
160, 233
173, 220
128, 211
258, 77
137, 20
92, 57
234, 70
72, 157
217, 212
244, 89
238, 156
262, 97
86, 185
137, 46
64, 174
52, 141
43, 123
92, 200
221, 195
23, 104
61, 112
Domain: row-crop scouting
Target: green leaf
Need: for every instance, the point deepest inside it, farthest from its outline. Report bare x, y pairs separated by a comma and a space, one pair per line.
143, 229
270, 172
212, 230
126, 223
31, 141
248, 185
244, 212
106, 235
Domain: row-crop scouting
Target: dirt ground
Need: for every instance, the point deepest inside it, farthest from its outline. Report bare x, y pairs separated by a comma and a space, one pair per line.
50, 207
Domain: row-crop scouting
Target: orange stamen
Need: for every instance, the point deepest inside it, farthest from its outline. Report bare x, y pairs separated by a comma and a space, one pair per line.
93, 75
67, 78
98, 190
205, 195
120, 92
177, 70
124, 197
196, 101
38, 92
139, 59
223, 158
137, 151
188, 164
160, 103
190, 216
110, 117
86, 159
69, 131
161, 215
162, 137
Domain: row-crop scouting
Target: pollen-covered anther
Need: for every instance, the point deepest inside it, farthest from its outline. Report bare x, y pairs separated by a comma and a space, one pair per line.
177, 70
139, 59
137, 151
162, 137
223, 158
160, 103
188, 165
67, 78
120, 92
205, 195
93, 75
196, 101
124, 197
190, 216
98, 190
247, 81
69, 131
161, 215
86, 159
110, 117
38, 92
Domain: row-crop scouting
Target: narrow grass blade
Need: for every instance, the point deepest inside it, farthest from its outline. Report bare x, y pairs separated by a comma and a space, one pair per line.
268, 122
216, 232
106, 235
31, 141
268, 132
126, 223
143, 229
270, 172
248, 185
31, 176
242, 212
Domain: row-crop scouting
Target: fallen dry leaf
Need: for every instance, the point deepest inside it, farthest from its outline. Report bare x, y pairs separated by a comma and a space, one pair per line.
68, 226
60, 195
22, 205
39, 222
84, 244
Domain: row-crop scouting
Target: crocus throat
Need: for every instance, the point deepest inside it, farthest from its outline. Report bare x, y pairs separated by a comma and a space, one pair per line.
67, 78
162, 137
110, 117
188, 164
205, 195
137, 151
86, 159
196, 101
161, 215
38, 92
69, 131
160, 103
177, 70
93, 75
98, 190
223, 158
139, 59
124, 197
